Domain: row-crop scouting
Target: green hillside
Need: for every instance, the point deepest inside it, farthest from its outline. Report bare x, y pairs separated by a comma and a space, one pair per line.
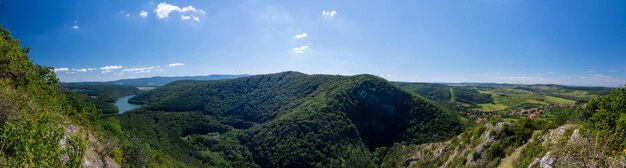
289, 119
100, 94
498, 97
40, 125
163, 80
100, 90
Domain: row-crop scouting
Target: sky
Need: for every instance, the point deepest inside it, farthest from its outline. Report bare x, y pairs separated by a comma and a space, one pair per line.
566, 42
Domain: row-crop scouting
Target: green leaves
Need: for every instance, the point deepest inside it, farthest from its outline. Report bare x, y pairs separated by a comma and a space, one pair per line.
607, 116
34, 112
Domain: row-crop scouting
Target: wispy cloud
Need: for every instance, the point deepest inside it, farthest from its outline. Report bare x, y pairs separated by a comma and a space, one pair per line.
61, 69
301, 49
109, 68
175, 64
84, 69
163, 10
143, 14
192, 9
75, 26
300, 36
188, 17
329, 14
586, 79
139, 70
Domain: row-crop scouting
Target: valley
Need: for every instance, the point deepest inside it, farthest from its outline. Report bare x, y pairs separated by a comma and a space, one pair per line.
339, 84
234, 122
291, 119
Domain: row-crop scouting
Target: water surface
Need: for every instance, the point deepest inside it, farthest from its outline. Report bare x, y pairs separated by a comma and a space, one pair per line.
123, 105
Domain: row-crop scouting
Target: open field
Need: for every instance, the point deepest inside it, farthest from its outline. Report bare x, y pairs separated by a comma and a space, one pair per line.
506, 97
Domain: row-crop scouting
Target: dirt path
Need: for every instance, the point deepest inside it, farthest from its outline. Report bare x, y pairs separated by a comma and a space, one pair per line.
508, 161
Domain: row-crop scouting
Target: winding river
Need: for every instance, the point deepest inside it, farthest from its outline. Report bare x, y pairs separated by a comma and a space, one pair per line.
123, 105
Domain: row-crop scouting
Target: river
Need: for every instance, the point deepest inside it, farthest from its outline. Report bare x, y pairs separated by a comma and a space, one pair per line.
123, 105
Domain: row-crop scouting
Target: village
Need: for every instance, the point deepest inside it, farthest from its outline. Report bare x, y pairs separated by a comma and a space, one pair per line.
531, 112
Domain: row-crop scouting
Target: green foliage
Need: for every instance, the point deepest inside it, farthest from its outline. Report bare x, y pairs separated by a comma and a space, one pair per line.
471, 96
182, 139
432, 91
606, 116
295, 120
33, 112
162, 91
577, 93
102, 91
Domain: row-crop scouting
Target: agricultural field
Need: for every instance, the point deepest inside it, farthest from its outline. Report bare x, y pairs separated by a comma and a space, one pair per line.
511, 97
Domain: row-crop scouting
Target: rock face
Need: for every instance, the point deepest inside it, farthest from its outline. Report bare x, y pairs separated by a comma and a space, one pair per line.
92, 157
471, 149
564, 146
547, 160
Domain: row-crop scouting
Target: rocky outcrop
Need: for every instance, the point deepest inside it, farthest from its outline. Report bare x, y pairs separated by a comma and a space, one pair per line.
93, 155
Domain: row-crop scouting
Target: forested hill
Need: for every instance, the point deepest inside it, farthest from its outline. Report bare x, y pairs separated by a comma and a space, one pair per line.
41, 126
160, 80
291, 119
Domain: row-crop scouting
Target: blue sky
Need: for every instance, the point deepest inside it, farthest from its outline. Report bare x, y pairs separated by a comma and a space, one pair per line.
506, 41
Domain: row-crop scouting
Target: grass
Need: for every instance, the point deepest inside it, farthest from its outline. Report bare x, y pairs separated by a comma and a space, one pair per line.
508, 98
559, 100
452, 95
493, 107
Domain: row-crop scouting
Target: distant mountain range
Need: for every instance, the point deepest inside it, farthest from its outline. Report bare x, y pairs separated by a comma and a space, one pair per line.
160, 80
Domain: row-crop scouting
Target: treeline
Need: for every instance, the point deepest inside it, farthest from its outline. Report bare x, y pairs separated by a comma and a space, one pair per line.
455, 98
561, 91
102, 91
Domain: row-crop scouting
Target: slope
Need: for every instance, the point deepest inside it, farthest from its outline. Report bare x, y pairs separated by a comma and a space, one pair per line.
292, 119
40, 126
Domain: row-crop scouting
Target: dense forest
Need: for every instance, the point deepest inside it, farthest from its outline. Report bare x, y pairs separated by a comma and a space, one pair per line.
100, 90
286, 119
101, 94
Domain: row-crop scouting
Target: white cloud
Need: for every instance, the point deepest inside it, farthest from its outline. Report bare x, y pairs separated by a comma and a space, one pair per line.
300, 50
186, 17
329, 14
163, 10
143, 14
300, 36
61, 69
110, 68
75, 27
84, 69
192, 9
139, 70
175, 64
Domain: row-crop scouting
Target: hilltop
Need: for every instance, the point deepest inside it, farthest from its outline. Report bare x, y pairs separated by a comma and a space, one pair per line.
163, 80
287, 119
